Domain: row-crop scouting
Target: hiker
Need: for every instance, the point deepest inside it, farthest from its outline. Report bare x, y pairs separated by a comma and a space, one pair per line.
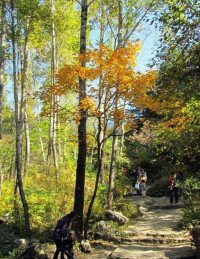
68, 244
173, 188
60, 233
142, 176
143, 188
180, 180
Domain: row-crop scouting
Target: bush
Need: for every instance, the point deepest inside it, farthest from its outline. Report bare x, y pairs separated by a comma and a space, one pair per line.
191, 195
160, 188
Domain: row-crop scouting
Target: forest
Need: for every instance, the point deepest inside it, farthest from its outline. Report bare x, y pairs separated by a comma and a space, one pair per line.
75, 109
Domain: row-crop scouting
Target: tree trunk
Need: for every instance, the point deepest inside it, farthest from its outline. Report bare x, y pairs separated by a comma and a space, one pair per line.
2, 58
53, 113
11, 168
41, 142
28, 145
99, 158
115, 131
24, 117
122, 138
81, 162
93, 147
17, 121
112, 169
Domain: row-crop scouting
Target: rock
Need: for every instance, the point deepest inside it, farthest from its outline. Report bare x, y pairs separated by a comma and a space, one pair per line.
105, 231
143, 209
85, 246
159, 188
102, 225
117, 217
196, 238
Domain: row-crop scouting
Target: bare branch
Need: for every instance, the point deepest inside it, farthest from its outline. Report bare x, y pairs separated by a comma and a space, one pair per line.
91, 2
138, 23
78, 2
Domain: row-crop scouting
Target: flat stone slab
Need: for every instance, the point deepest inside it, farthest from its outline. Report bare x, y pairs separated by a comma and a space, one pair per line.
153, 252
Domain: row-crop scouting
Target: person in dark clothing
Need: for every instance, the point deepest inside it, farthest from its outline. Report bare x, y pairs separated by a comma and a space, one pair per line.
68, 244
60, 233
173, 188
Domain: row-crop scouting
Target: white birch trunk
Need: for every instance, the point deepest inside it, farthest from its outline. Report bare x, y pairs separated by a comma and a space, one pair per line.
115, 131
2, 59
17, 121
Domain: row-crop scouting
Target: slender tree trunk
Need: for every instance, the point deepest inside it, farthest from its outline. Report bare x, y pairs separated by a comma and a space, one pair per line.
11, 168
92, 151
53, 113
115, 132
59, 147
2, 58
24, 105
122, 138
28, 144
112, 169
101, 105
41, 141
18, 133
99, 157
81, 162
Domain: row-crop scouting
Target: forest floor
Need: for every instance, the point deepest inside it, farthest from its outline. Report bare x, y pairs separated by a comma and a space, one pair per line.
155, 235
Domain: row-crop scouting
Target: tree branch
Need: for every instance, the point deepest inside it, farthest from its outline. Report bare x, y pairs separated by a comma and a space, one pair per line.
91, 2
78, 2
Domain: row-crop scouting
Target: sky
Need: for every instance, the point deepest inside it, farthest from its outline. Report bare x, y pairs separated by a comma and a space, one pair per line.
148, 37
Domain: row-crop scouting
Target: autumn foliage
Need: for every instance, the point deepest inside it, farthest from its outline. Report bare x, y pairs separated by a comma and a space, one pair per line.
111, 72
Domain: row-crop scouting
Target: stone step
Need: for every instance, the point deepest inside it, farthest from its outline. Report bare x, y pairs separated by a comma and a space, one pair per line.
155, 240
154, 252
167, 207
185, 235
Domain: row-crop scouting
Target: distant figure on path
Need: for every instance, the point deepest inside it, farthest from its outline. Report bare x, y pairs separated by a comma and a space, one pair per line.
142, 176
60, 233
143, 188
173, 188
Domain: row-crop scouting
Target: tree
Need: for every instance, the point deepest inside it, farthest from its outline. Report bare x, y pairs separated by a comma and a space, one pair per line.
2, 62
178, 83
115, 68
81, 162
17, 121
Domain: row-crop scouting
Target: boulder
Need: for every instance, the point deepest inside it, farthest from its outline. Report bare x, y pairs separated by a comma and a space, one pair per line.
196, 238
116, 217
85, 246
159, 188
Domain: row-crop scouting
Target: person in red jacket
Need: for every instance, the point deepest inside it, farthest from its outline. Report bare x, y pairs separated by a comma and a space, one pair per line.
60, 233
173, 188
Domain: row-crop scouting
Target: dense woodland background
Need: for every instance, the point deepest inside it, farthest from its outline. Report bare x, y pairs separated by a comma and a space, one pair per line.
73, 114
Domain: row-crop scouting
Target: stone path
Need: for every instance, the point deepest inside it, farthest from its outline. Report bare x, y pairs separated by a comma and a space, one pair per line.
155, 235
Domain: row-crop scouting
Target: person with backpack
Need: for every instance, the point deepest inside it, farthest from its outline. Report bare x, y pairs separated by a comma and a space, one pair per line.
60, 233
173, 188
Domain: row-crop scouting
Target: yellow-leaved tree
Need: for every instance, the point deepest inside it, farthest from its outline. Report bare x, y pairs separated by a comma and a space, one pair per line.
110, 74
